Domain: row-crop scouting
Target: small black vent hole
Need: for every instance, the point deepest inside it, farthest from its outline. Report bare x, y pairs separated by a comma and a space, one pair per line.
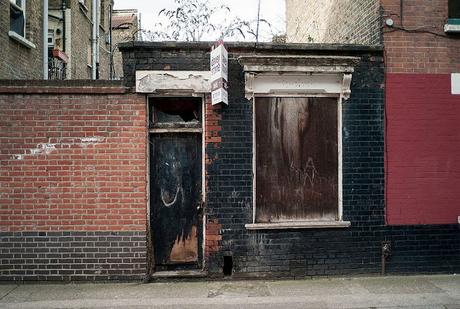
228, 266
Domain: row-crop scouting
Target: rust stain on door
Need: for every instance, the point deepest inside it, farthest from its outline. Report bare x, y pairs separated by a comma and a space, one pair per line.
184, 248
296, 159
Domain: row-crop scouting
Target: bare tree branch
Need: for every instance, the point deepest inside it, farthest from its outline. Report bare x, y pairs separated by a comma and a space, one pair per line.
193, 20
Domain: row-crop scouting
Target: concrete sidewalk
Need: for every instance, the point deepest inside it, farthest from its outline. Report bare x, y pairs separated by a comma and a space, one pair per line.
440, 291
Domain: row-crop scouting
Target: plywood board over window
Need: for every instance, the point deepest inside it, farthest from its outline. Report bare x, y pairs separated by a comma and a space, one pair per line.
296, 159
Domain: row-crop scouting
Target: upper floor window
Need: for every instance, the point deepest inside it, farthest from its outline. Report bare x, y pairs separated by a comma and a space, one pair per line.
18, 23
454, 9
102, 13
51, 39
51, 42
18, 17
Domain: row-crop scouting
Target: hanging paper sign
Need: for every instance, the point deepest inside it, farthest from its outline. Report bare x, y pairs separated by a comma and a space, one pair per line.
219, 74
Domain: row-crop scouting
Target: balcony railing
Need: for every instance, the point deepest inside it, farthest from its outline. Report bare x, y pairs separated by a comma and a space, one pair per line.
56, 68
57, 62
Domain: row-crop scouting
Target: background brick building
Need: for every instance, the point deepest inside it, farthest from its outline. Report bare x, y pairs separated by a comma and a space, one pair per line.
333, 21
70, 24
125, 27
21, 58
69, 35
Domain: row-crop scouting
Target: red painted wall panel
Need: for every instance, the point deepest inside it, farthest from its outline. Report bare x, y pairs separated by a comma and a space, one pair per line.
423, 149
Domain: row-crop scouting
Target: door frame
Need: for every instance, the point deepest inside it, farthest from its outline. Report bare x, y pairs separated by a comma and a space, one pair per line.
150, 248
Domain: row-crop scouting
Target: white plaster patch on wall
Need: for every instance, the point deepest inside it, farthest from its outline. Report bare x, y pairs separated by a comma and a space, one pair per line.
455, 79
43, 148
85, 141
47, 148
153, 81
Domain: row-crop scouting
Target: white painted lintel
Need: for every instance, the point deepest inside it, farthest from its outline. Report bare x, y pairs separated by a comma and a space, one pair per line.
173, 82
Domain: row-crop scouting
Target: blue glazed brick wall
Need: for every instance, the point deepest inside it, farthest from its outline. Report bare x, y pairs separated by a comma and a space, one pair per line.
72, 256
309, 252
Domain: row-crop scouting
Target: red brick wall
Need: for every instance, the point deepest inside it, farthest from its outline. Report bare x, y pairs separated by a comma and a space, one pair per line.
418, 52
72, 162
333, 21
213, 117
212, 125
423, 149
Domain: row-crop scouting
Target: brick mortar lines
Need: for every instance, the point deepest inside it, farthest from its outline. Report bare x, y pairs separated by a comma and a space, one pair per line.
84, 162
72, 256
62, 90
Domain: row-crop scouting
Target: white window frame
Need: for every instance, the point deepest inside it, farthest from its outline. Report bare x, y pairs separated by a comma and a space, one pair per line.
13, 34
52, 37
308, 77
452, 25
21, 7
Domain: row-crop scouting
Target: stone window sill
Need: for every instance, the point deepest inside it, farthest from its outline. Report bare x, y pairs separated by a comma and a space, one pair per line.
20, 39
298, 225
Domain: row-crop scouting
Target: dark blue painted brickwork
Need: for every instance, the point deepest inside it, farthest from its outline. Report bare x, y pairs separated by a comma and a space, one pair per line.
299, 253
72, 256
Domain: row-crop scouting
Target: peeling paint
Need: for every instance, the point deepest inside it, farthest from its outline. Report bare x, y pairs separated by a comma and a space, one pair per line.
153, 81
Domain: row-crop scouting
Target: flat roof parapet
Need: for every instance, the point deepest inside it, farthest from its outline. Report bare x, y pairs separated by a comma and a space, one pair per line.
62, 86
250, 46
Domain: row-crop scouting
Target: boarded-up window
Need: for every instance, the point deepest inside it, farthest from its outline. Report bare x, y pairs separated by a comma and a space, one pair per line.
296, 159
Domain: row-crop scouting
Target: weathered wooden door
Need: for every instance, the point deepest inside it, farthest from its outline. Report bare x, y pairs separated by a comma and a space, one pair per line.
175, 193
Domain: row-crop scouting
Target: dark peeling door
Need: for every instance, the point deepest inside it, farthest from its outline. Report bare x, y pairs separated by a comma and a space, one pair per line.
296, 159
175, 196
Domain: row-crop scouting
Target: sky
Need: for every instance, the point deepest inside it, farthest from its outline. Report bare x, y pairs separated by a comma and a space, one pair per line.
271, 10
